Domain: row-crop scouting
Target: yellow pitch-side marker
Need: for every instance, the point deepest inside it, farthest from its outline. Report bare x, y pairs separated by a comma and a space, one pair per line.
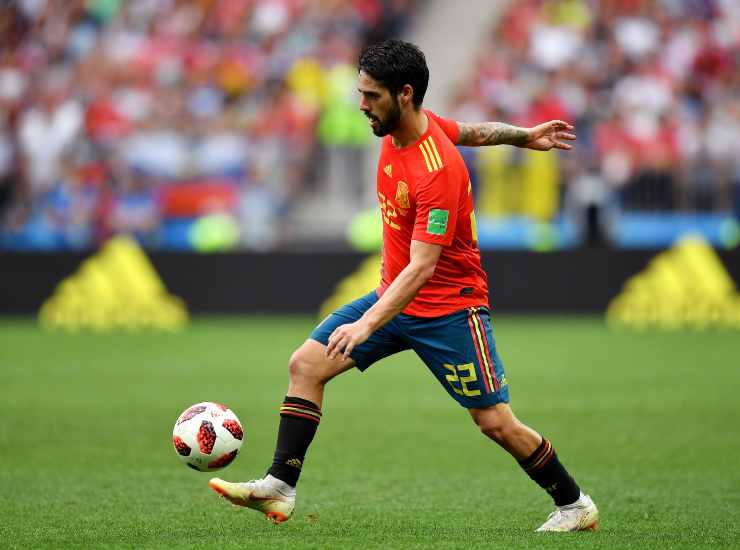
684, 287
116, 288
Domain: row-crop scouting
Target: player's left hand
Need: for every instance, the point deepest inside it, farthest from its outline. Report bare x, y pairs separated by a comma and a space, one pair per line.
347, 337
549, 135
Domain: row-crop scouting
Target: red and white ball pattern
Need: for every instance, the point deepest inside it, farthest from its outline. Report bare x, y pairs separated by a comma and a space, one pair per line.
207, 436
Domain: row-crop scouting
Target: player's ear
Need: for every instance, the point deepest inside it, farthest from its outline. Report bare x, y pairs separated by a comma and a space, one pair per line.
406, 95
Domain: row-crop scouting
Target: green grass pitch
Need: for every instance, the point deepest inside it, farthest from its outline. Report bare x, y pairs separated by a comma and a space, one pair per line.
649, 424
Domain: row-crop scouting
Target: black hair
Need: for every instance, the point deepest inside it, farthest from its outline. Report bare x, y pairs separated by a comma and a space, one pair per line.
395, 63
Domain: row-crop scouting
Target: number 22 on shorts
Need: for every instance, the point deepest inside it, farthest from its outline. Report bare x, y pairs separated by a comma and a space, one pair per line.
458, 383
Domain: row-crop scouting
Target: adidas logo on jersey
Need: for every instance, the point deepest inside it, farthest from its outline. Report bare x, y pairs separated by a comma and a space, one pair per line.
684, 287
388, 170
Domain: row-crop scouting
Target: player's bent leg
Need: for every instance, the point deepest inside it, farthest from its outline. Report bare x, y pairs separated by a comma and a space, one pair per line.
300, 413
574, 511
461, 352
310, 369
274, 495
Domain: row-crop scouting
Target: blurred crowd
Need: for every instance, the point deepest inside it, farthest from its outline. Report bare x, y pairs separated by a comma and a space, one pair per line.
152, 116
202, 123
653, 87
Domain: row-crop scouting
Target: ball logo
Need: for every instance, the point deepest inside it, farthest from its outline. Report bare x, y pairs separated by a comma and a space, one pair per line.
191, 413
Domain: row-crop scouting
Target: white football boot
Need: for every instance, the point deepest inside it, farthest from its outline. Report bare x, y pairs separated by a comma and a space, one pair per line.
271, 496
582, 515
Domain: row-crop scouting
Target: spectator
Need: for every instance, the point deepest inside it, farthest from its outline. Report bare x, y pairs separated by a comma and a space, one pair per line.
69, 209
134, 209
7, 175
48, 130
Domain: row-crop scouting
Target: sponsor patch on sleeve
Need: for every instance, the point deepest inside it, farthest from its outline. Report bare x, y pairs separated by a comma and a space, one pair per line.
437, 224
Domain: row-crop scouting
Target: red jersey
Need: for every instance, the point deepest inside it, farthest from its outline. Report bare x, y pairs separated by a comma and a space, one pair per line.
425, 195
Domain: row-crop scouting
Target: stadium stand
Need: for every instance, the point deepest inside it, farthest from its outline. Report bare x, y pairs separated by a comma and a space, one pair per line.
654, 89
143, 116
198, 124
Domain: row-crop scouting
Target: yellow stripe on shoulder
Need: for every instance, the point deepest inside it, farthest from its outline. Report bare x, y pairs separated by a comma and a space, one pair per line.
428, 149
426, 157
436, 152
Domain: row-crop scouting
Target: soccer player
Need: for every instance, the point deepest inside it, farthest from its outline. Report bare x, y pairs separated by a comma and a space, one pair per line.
433, 294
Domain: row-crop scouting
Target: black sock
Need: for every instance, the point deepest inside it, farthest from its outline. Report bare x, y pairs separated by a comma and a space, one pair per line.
299, 420
546, 470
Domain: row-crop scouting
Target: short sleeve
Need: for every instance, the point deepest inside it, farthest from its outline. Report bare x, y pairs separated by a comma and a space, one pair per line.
436, 209
448, 126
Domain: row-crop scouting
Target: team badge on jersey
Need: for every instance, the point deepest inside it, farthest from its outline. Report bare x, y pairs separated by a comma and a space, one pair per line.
402, 195
388, 170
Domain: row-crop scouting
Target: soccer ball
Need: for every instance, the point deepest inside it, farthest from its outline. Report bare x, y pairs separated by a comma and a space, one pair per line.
207, 436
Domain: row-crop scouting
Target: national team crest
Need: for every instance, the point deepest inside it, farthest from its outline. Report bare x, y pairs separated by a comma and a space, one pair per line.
402, 195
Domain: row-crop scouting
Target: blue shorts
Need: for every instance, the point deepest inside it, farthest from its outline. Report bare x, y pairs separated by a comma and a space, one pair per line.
458, 348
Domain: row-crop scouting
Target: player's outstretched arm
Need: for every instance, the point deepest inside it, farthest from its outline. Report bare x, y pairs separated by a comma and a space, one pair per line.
543, 137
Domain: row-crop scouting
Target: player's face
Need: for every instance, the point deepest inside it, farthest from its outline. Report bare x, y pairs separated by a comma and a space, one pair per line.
378, 105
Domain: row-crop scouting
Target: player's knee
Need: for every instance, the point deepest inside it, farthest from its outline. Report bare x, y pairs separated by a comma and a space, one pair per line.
496, 431
302, 367
299, 365
498, 427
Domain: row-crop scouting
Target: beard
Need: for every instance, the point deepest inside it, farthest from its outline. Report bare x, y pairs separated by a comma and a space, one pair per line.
390, 122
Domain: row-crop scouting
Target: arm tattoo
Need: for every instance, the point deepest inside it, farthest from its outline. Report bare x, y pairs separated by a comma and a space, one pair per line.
491, 133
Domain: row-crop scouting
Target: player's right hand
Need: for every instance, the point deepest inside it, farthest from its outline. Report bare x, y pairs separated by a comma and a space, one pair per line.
347, 337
